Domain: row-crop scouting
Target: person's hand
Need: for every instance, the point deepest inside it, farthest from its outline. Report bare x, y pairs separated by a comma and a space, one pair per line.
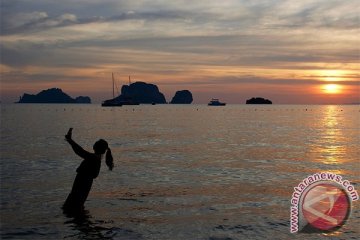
68, 135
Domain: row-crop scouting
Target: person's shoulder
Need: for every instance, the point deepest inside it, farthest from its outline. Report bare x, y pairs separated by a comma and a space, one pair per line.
94, 157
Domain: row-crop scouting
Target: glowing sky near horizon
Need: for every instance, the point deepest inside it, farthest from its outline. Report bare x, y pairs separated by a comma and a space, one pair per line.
288, 51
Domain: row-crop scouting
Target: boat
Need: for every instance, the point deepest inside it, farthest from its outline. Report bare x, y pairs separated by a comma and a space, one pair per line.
216, 102
120, 100
111, 103
127, 101
114, 102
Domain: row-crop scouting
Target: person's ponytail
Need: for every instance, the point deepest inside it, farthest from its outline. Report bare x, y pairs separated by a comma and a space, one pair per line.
109, 159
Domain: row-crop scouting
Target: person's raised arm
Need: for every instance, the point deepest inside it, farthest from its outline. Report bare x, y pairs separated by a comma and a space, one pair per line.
76, 147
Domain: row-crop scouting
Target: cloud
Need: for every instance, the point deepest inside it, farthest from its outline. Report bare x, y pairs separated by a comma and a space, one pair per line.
35, 21
180, 17
22, 19
253, 79
41, 21
229, 14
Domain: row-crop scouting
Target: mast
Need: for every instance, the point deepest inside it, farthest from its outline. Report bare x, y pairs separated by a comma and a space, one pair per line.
113, 82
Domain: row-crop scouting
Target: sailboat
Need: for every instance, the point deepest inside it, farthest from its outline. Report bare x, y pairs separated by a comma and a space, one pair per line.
120, 100
114, 102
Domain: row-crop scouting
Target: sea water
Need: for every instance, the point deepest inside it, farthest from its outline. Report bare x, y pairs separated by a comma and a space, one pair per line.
181, 171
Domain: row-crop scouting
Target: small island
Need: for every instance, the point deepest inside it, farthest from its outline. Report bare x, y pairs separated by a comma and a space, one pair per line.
258, 100
182, 97
52, 95
142, 92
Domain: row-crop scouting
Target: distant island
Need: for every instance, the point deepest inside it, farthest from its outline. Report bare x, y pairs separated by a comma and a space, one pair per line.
258, 100
52, 95
182, 97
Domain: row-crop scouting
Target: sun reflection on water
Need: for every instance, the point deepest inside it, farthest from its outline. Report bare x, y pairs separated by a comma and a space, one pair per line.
329, 145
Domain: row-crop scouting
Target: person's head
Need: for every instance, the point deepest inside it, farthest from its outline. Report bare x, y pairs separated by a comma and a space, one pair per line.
100, 147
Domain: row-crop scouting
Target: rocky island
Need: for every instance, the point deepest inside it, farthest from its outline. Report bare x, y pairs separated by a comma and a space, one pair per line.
52, 95
136, 93
258, 100
182, 97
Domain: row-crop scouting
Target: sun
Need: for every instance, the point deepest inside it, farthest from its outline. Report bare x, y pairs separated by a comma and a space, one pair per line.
331, 77
332, 88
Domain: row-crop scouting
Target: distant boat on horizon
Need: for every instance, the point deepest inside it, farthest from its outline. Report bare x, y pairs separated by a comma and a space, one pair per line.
216, 102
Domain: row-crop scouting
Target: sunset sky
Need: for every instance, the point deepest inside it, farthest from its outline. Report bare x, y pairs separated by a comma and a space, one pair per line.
296, 52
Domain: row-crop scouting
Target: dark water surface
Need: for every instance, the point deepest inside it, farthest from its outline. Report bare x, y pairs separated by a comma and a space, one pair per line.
181, 172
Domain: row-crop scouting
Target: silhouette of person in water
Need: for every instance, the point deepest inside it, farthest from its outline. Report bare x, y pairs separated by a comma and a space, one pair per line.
86, 172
